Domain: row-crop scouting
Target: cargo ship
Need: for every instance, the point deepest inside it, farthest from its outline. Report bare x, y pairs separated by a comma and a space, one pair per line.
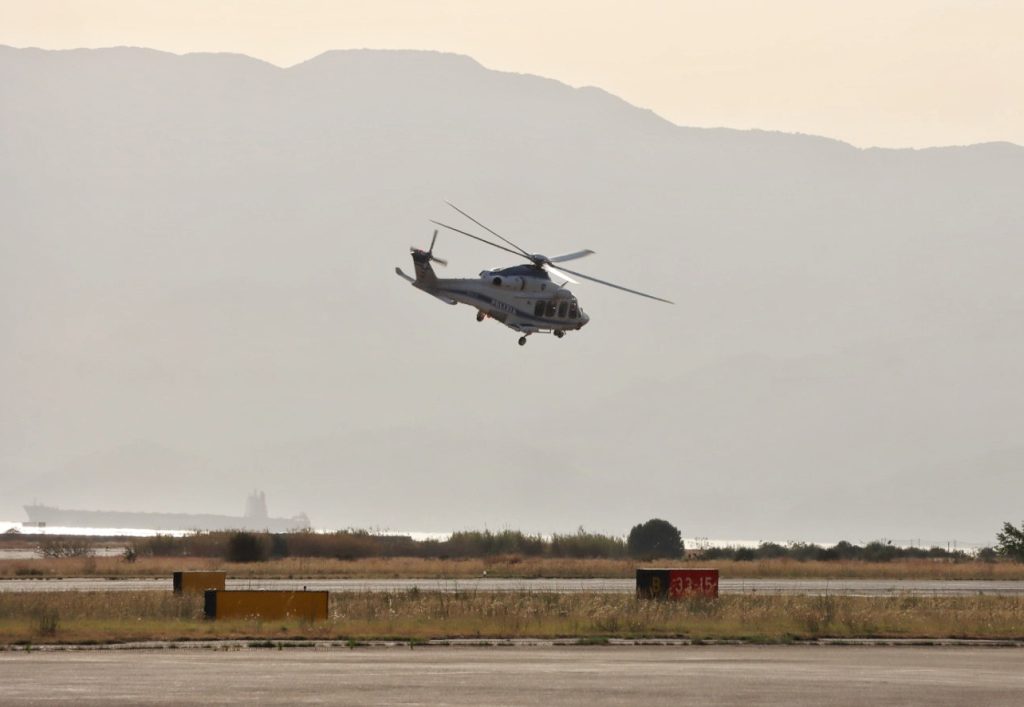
255, 519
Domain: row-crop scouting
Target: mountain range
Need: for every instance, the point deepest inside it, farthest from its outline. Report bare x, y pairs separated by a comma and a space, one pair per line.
197, 298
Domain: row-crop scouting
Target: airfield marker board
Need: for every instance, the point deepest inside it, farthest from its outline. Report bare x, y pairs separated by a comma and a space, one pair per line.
668, 583
265, 604
197, 582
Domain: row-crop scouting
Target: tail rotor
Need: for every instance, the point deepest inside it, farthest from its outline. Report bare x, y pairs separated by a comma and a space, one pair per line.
430, 257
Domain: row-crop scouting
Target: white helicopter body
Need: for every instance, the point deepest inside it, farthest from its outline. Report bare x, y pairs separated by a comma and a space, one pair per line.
522, 297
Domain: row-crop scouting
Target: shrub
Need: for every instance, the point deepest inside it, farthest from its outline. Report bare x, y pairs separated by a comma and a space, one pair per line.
247, 547
806, 551
473, 543
769, 550
584, 544
278, 545
57, 547
718, 553
844, 550
159, 545
988, 554
877, 551
342, 545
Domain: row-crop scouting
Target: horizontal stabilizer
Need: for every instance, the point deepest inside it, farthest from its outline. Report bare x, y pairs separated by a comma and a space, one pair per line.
419, 286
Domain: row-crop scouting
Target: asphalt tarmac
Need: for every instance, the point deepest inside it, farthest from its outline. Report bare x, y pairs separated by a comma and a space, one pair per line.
599, 675
814, 587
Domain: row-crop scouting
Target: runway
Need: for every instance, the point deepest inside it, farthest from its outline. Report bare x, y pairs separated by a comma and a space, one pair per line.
793, 676
813, 587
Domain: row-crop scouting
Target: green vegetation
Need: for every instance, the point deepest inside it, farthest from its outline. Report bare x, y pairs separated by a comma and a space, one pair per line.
97, 617
513, 554
655, 538
358, 544
583, 545
1011, 542
64, 546
248, 547
875, 552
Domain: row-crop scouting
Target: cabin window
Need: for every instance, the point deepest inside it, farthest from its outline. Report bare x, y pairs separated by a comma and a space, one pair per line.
574, 310
563, 309
551, 308
538, 309
497, 282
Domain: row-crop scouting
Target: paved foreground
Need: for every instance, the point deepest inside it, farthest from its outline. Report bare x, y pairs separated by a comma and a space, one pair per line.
598, 675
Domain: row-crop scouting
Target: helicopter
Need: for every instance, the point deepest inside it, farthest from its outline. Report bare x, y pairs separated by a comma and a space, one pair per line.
522, 297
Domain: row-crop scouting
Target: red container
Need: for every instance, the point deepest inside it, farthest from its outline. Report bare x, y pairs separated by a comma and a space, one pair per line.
693, 583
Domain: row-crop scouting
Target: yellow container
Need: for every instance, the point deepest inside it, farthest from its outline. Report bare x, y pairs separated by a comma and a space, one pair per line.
197, 582
266, 604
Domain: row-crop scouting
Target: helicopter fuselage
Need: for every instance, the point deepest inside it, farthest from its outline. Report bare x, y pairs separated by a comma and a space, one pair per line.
522, 297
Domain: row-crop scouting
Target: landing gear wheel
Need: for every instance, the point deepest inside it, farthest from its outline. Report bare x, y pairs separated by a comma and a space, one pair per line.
522, 341
480, 316
559, 333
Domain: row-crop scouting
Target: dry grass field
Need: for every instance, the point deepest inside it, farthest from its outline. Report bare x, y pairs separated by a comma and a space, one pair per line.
94, 617
502, 566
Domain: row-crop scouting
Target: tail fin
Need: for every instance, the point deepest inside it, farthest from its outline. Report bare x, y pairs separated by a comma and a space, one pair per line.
425, 280
425, 276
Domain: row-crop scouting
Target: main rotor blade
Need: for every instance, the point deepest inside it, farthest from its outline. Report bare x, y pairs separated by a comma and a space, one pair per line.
493, 233
482, 240
571, 256
559, 274
618, 287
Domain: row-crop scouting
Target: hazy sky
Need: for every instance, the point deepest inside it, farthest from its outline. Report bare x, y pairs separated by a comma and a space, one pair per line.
892, 73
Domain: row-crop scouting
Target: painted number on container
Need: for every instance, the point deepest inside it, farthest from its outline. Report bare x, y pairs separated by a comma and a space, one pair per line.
685, 583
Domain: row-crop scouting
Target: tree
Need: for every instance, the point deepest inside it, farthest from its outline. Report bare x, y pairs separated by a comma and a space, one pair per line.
1011, 542
655, 538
